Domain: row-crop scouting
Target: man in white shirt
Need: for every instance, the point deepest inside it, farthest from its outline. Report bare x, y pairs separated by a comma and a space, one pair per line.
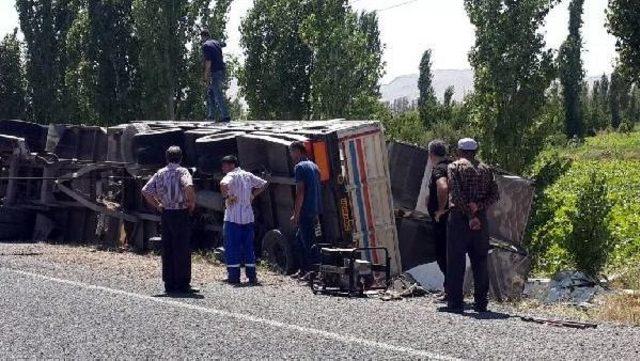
239, 188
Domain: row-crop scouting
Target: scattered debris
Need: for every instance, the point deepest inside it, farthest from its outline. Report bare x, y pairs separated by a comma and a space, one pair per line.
559, 323
570, 287
403, 286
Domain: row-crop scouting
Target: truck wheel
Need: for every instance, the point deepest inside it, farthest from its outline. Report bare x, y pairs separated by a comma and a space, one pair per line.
277, 250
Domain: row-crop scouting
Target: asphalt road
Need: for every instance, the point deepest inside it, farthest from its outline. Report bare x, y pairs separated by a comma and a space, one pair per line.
72, 309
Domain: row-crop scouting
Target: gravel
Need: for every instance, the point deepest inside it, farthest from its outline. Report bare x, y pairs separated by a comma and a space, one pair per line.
52, 309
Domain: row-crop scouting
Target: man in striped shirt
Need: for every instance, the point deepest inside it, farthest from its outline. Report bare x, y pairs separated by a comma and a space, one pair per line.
170, 191
239, 188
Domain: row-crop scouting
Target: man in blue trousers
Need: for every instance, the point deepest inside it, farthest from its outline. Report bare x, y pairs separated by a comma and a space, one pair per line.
308, 205
239, 188
214, 77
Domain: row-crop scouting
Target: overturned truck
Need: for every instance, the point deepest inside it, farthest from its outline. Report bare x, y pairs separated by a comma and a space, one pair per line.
82, 184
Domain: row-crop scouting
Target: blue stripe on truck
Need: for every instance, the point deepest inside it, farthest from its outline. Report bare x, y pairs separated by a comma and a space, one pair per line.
359, 200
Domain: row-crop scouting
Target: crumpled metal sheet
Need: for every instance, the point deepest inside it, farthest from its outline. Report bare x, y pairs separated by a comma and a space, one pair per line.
407, 165
566, 286
508, 273
509, 216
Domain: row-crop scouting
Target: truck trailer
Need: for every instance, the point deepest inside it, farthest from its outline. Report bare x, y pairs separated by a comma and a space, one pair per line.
82, 184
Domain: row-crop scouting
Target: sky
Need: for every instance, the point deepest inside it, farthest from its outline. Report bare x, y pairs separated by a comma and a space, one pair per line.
408, 27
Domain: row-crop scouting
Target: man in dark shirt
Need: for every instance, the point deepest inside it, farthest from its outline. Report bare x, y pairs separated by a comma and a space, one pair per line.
438, 202
214, 77
308, 204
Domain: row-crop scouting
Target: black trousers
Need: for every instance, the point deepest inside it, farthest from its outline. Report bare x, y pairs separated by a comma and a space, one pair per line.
461, 240
440, 235
176, 249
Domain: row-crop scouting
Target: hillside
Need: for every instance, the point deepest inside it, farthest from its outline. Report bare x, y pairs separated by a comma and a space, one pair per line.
407, 85
461, 79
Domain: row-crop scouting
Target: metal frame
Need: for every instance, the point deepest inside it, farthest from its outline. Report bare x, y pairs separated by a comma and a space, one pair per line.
317, 279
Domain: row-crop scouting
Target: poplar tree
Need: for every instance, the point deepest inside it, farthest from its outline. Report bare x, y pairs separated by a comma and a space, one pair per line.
12, 82
512, 72
571, 72
623, 17
427, 101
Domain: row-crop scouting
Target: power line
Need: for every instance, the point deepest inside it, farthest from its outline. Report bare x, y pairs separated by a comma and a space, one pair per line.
396, 5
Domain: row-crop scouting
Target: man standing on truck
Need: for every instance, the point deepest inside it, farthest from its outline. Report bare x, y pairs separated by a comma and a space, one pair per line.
214, 76
473, 189
170, 191
239, 188
438, 201
308, 205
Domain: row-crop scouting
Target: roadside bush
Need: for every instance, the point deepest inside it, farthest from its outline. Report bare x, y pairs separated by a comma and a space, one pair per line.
590, 242
616, 157
449, 132
545, 172
405, 127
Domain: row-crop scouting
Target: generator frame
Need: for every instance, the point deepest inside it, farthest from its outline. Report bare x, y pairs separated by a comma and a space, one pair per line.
318, 280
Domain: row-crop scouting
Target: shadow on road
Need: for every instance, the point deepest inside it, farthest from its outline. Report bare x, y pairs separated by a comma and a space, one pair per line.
490, 315
180, 295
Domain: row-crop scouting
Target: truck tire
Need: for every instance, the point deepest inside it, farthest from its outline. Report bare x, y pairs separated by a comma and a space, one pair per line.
277, 250
127, 152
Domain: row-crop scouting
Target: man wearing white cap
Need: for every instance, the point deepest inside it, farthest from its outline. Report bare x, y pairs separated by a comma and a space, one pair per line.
472, 190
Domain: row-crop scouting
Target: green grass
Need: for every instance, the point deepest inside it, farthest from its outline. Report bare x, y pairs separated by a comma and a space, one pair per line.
607, 147
617, 157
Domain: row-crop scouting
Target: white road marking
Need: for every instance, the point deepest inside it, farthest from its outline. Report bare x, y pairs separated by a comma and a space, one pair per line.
244, 317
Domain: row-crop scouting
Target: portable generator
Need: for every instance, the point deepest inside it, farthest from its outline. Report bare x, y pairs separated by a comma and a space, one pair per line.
344, 271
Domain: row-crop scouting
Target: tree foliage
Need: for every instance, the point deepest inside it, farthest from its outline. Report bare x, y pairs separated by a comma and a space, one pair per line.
623, 17
615, 98
276, 76
512, 72
44, 24
81, 75
113, 50
427, 102
347, 60
590, 241
310, 59
12, 82
571, 72
162, 49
